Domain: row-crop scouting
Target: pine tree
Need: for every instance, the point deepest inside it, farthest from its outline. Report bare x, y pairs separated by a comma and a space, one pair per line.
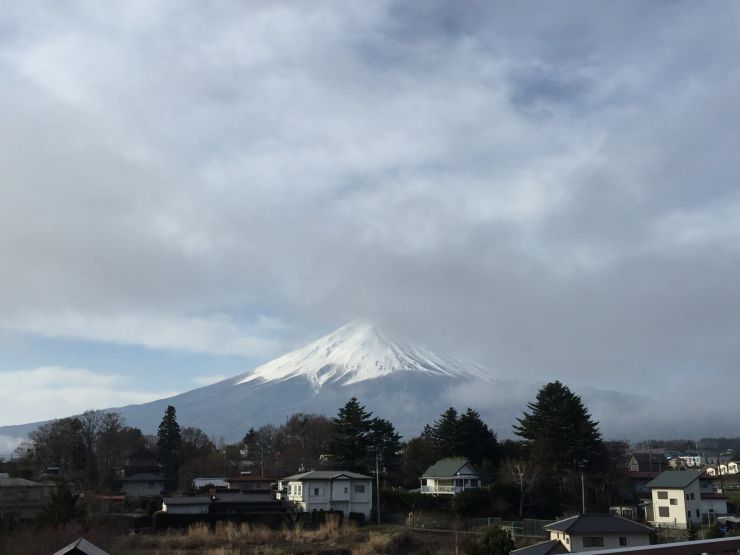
462, 436
559, 431
169, 441
350, 442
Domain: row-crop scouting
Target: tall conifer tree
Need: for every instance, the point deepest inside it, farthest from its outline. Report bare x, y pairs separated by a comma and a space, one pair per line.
560, 432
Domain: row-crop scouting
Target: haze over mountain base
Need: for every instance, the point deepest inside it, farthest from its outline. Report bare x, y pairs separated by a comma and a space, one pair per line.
403, 382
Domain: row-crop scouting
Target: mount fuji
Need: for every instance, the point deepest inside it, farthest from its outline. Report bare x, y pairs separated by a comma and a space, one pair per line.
399, 380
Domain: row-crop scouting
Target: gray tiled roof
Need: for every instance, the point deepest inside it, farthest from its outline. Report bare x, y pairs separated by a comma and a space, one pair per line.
144, 477
325, 475
598, 524
675, 479
544, 548
444, 468
186, 500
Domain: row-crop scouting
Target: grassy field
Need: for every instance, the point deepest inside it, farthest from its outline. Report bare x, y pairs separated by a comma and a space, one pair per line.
233, 539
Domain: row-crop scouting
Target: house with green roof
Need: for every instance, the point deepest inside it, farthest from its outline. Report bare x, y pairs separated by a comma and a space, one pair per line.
450, 476
684, 497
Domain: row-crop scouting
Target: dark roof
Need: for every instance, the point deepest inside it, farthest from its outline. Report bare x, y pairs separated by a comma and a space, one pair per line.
185, 500
650, 461
598, 524
325, 475
144, 477
83, 546
544, 548
675, 479
242, 498
446, 467
249, 478
18, 482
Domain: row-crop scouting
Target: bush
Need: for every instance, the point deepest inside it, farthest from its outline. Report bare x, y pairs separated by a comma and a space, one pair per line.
357, 518
492, 541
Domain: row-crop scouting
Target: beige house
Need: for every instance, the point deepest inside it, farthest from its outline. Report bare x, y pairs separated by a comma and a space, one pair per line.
328, 490
684, 497
590, 532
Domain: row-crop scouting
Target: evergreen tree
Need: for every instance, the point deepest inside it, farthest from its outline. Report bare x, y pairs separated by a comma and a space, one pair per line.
462, 436
169, 441
350, 442
386, 443
61, 506
559, 431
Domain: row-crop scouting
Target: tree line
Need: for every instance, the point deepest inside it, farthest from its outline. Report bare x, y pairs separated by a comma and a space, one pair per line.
536, 473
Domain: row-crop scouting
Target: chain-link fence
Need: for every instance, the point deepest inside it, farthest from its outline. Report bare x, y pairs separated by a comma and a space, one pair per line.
444, 521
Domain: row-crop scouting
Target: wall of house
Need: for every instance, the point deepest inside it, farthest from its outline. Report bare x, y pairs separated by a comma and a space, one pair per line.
142, 489
610, 542
21, 502
683, 506
186, 509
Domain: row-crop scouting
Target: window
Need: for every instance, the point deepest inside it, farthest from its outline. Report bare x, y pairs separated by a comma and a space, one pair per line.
346, 490
674, 501
593, 541
359, 489
662, 495
697, 512
317, 491
692, 495
663, 511
622, 541
687, 497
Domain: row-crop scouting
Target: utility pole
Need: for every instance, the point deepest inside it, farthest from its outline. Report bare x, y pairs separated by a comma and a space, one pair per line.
377, 486
583, 492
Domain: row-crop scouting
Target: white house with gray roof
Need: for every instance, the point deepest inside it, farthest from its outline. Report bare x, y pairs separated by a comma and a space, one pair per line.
590, 532
328, 490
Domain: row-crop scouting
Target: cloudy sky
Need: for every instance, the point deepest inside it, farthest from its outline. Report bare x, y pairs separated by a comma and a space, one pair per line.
188, 189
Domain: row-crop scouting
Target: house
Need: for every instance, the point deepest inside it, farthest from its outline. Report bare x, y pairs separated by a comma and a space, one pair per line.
450, 476
144, 484
647, 462
81, 547
184, 505
684, 497
329, 490
141, 461
733, 467
218, 483
590, 532
247, 483
222, 504
21, 499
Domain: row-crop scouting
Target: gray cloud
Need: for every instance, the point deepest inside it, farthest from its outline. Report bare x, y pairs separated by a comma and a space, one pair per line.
551, 189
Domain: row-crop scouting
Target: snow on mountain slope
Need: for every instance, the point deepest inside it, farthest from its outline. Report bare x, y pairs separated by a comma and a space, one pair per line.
354, 353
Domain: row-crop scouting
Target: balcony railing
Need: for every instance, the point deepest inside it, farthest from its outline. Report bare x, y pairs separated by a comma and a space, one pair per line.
445, 489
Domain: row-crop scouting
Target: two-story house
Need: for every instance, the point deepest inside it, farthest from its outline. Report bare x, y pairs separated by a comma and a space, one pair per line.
21, 499
684, 497
328, 490
450, 476
590, 532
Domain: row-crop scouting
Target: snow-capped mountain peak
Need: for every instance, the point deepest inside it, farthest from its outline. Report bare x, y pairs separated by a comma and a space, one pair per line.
356, 352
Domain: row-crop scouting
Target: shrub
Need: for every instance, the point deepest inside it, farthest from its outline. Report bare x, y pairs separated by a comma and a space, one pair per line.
492, 541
